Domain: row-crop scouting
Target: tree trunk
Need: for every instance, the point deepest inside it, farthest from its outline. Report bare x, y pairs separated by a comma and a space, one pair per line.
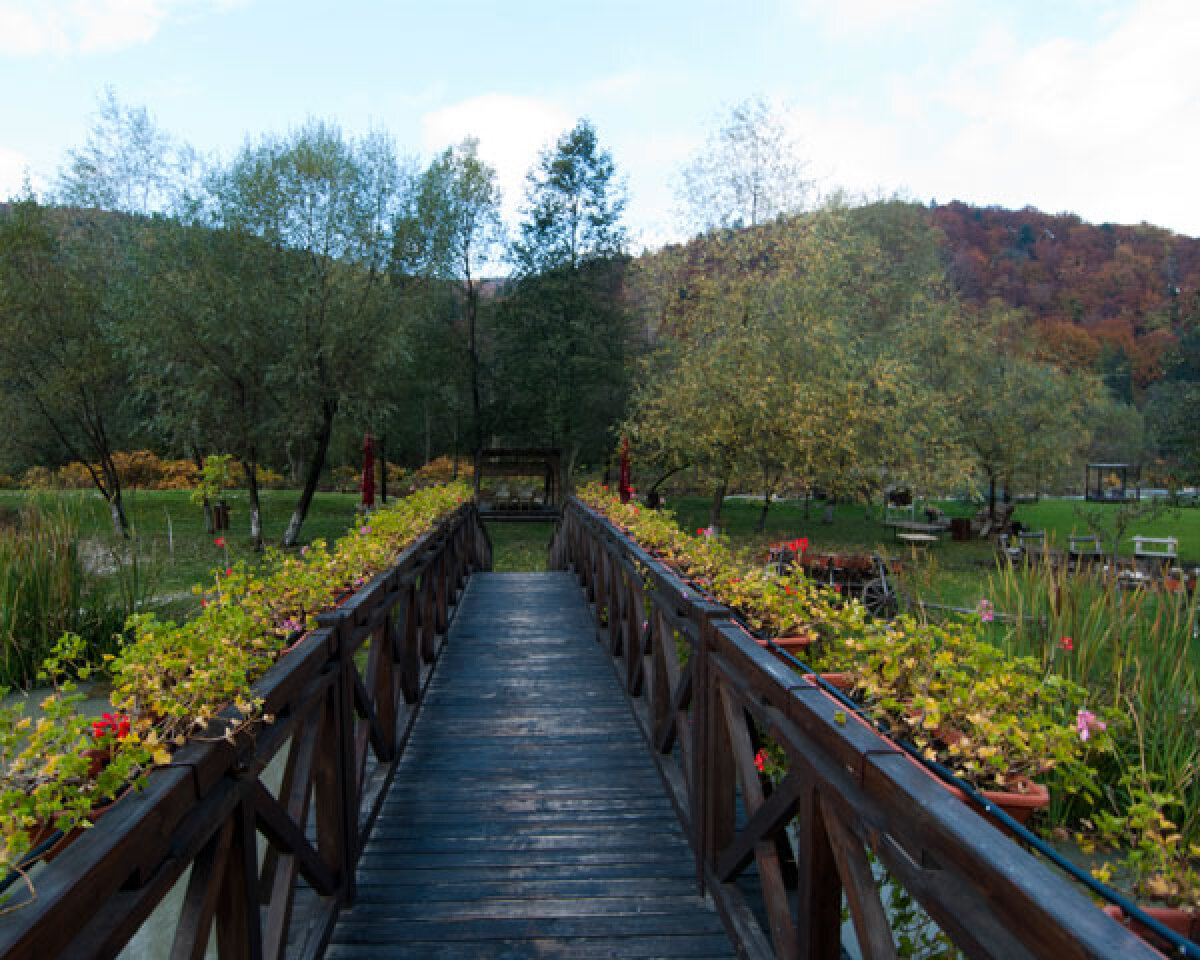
428, 449
209, 523
991, 496
292, 535
569, 467
250, 467
383, 468
117, 511
112, 493
762, 516
472, 317
714, 513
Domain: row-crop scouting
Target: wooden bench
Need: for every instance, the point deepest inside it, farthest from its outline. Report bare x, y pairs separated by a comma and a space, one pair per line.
1154, 554
1083, 550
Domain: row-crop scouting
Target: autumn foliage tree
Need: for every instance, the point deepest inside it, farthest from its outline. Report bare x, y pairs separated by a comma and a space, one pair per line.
770, 366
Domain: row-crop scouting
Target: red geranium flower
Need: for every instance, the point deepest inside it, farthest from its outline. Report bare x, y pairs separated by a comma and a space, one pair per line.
1067, 644
220, 541
760, 761
115, 724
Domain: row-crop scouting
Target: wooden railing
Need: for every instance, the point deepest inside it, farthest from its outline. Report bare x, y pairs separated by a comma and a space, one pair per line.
267, 866
851, 806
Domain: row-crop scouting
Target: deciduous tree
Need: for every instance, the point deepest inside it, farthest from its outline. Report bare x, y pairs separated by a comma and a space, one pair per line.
324, 204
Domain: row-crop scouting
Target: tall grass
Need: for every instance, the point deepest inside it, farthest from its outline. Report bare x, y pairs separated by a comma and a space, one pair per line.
1136, 650
45, 590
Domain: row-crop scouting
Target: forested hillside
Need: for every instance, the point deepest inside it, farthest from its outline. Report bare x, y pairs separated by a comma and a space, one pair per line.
1115, 299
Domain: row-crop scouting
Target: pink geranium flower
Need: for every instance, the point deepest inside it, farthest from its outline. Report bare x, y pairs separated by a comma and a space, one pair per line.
1087, 723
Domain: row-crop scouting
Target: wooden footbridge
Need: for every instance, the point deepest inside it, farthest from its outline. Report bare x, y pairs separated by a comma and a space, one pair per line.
456, 769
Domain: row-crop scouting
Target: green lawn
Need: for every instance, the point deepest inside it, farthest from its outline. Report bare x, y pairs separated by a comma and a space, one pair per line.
173, 549
949, 572
520, 547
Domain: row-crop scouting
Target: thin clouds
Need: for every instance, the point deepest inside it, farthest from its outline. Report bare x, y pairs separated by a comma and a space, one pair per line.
849, 17
1104, 127
1107, 128
30, 28
511, 131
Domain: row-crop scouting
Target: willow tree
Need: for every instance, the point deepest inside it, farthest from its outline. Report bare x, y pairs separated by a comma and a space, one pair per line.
451, 233
324, 204
767, 369
60, 349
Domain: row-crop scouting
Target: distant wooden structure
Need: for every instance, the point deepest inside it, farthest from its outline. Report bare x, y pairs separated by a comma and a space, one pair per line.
1110, 482
519, 483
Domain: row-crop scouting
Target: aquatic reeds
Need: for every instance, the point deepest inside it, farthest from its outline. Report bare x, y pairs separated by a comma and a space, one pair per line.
1137, 651
46, 590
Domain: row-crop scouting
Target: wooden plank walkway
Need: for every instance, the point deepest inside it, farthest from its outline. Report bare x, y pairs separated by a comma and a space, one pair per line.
527, 818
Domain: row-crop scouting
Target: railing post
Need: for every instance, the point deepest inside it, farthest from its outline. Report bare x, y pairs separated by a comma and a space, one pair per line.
819, 889
344, 738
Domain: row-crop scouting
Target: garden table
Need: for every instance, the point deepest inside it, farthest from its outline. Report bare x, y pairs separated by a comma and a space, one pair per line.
917, 539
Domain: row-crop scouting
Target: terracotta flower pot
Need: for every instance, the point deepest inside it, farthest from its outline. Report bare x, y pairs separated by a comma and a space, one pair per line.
44, 831
1184, 922
1024, 798
842, 681
1021, 800
797, 646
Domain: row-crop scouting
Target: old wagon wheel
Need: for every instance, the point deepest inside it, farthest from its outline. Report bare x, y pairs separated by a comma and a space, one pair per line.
879, 599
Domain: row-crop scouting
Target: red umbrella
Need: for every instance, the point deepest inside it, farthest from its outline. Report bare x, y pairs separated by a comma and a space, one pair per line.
368, 476
625, 488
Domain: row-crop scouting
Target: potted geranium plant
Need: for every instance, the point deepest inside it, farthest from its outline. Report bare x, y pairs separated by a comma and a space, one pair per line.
1000, 723
60, 771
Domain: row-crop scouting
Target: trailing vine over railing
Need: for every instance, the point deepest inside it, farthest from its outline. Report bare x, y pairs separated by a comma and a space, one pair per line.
850, 806
341, 705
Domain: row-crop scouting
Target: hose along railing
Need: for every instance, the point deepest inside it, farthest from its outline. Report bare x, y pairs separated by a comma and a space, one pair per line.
781, 859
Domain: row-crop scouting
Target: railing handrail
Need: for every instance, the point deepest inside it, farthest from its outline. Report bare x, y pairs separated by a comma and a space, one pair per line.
209, 803
851, 787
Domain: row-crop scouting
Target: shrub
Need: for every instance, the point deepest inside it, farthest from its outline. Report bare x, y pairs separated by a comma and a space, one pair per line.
39, 478
345, 479
73, 476
442, 470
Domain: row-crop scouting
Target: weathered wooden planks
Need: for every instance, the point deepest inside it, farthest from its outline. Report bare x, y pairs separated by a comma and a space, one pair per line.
526, 818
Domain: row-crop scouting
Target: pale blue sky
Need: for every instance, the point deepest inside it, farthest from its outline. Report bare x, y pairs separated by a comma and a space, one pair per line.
1091, 106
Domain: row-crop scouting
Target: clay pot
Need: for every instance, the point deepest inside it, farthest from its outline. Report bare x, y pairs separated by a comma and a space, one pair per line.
842, 681
41, 833
1024, 798
1186, 923
797, 646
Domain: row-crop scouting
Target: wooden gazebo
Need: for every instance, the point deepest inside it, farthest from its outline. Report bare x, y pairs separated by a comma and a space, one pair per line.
519, 483
1112, 482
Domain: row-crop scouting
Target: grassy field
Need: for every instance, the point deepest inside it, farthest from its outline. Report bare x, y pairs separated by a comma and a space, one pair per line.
949, 572
175, 552
172, 547
520, 547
